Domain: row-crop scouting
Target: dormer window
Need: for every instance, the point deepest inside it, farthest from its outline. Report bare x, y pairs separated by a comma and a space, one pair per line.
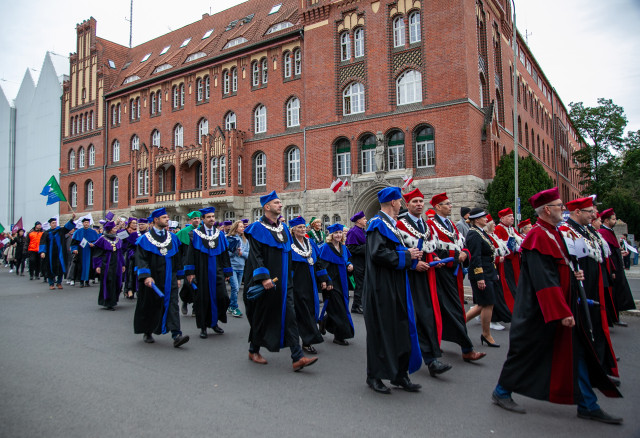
279, 26
111, 64
130, 79
235, 42
162, 67
195, 56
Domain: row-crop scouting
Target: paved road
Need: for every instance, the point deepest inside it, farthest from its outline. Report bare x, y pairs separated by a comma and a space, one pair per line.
70, 369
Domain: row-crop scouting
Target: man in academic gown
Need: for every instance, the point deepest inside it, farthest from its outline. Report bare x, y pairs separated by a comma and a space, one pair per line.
53, 252
393, 350
508, 234
83, 253
129, 251
356, 239
271, 315
577, 234
187, 293
209, 265
449, 277
108, 261
550, 354
422, 280
622, 297
157, 264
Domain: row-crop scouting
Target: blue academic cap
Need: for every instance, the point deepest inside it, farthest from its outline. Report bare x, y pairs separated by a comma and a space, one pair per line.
389, 194
158, 212
207, 210
297, 221
335, 227
264, 200
143, 220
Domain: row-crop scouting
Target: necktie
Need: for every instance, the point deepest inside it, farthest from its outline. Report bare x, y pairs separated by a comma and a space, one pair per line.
420, 226
209, 232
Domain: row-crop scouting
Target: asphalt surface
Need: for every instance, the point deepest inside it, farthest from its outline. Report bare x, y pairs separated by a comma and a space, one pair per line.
71, 369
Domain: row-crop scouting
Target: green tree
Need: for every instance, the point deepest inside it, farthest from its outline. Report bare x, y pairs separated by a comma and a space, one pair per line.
602, 127
532, 178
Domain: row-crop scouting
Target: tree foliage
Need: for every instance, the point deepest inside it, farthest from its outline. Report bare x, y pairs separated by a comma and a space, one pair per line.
532, 178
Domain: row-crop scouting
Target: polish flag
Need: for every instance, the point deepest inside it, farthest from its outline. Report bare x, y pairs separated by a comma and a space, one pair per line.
335, 186
345, 185
407, 181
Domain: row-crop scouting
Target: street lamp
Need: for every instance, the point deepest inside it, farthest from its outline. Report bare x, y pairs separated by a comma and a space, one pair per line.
515, 114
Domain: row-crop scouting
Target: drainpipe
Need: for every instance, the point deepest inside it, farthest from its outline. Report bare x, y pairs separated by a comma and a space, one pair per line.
105, 159
304, 192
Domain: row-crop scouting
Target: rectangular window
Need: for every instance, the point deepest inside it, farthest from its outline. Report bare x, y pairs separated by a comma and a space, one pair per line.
425, 152
368, 158
343, 164
396, 157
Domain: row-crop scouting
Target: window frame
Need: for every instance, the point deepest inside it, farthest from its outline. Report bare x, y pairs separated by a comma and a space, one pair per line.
260, 119
415, 34
399, 36
260, 169
293, 112
178, 136
345, 46
412, 86
358, 43
293, 165
358, 96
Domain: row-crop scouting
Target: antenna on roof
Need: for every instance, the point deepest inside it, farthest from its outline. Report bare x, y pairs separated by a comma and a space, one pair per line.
130, 20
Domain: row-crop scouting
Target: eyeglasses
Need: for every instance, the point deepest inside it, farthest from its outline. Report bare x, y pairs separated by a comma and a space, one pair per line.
587, 211
556, 205
445, 203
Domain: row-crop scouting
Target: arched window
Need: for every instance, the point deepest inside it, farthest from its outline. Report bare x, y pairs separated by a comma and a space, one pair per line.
337, 219
256, 214
132, 107
409, 87
287, 64
234, 80
92, 155
114, 115
325, 222
159, 94
425, 147
260, 116
198, 175
226, 82
137, 110
291, 212
153, 103
223, 170
215, 171
398, 31
89, 193
230, 121
343, 157
135, 143
114, 190
345, 46
358, 43
240, 170
160, 180
81, 123
353, 99
155, 138
199, 90
230, 216
526, 134
265, 71
176, 97
395, 154
293, 112
73, 195
293, 165
115, 151
146, 181
414, 27
255, 74
260, 169
207, 87
81, 157
177, 136
297, 62
203, 130
181, 95
72, 160
119, 110
91, 122
368, 152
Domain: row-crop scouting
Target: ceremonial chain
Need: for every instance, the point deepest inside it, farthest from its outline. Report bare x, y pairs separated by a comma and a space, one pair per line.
114, 243
277, 230
415, 232
304, 254
211, 240
162, 246
485, 238
394, 230
455, 240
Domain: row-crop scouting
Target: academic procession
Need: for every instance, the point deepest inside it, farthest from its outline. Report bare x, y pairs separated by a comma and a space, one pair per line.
557, 285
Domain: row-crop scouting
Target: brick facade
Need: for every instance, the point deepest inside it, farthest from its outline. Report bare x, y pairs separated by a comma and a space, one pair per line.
460, 51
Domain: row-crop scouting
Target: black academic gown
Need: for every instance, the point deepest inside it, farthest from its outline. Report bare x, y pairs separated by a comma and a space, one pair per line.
622, 296
271, 312
543, 354
155, 314
110, 262
187, 293
450, 288
130, 279
208, 259
52, 244
357, 251
306, 278
392, 338
335, 312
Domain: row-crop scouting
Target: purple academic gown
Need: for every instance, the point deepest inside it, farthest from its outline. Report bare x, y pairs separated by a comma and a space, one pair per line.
110, 262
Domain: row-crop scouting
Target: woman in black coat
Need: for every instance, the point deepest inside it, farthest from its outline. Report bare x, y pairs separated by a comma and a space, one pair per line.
482, 274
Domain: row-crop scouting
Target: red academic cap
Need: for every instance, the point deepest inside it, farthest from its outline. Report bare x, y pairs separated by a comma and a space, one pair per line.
524, 223
544, 197
505, 212
430, 213
437, 199
607, 213
415, 193
489, 218
580, 203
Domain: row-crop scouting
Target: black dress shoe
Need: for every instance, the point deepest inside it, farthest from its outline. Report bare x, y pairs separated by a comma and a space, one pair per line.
378, 386
340, 341
218, 329
357, 309
148, 338
507, 403
405, 383
180, 340
203, 334
600, 415
321, 326
621, 324
437, 367
484, 340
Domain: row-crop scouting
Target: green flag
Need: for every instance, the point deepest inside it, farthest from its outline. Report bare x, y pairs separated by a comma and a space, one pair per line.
1, 229
53, 192
183, 234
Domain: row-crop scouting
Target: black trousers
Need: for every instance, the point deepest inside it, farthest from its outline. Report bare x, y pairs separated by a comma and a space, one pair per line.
34, 264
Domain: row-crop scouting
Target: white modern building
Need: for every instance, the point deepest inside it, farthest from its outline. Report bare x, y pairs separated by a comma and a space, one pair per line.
30, 143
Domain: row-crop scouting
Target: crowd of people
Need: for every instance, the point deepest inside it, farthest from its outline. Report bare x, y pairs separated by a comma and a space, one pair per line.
560, 284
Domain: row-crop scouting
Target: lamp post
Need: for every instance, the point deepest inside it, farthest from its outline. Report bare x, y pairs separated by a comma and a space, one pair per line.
515, 115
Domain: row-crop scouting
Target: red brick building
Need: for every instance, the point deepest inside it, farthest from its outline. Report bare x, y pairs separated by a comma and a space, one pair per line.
289, 95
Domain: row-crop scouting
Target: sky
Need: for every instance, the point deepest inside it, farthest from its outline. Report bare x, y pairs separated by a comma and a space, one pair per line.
586, 48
